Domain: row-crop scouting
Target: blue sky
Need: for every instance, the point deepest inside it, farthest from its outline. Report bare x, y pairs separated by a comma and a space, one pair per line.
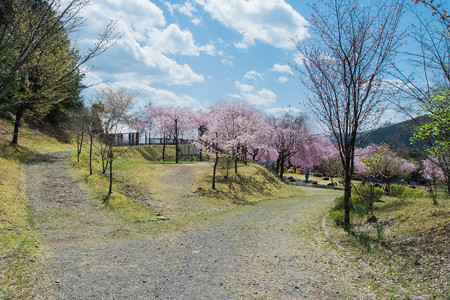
191, 53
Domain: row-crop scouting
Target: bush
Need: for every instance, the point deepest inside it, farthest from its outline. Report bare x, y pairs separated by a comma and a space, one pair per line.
339, 203
338, 217
410, 193
397, 190
365, 193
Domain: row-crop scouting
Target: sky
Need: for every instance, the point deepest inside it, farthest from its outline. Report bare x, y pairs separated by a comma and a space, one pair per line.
193, 53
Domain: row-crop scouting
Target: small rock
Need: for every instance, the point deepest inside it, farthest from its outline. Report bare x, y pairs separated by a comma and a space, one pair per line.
57, 281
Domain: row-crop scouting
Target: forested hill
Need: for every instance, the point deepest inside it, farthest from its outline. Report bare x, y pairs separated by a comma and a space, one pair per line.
397, 135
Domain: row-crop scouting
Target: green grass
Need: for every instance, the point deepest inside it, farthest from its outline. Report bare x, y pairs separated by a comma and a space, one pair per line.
34, 139
98, 184
143, 186
408, 245
20, 266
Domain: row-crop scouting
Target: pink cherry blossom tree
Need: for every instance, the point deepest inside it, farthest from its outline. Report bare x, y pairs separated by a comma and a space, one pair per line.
380, 161
234, 128
171, 121
289, 134
330, 163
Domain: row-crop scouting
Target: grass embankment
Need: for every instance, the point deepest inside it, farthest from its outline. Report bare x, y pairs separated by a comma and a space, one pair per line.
20, 254
409, 246
144, 186
44, 139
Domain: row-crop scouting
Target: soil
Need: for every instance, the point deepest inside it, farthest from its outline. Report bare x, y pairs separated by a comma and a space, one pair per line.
271, 250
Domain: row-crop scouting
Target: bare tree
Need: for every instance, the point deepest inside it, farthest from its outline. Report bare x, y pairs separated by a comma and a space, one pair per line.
352, 44
113, 110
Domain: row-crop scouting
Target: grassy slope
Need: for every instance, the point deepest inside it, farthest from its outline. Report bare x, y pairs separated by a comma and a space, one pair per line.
144, 188
19, 246
410, 249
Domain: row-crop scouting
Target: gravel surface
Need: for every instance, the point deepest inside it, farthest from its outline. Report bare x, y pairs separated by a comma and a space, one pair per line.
272, 250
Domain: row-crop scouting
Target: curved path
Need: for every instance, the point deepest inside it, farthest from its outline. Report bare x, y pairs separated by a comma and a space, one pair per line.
272, 250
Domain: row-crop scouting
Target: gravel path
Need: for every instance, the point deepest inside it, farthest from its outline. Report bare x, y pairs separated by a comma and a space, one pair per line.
272, 250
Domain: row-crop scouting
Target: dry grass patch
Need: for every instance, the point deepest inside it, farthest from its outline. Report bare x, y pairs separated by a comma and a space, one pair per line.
408, 248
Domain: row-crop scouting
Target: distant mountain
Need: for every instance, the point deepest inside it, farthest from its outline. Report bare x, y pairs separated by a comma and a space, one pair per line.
397, 135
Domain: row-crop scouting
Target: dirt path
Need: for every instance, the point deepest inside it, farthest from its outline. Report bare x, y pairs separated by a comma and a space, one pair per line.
271, 250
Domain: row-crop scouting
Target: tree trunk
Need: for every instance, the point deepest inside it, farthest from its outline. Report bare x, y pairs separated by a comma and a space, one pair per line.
110, 172
176, 140
91, 138
104, 158
347, 195
433, 192
235, 160
19, 115
80, 144
277, 169
282, 168
214, 171
164, 148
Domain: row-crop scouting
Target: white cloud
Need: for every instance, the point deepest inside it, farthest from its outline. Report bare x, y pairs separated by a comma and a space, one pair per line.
196, 21
298, 59
243, 88
158, 97
392, 116
281, 69
186, 9
279, 111
272, 22
252, 74
282, 79
145, 43
228, 60
263, 97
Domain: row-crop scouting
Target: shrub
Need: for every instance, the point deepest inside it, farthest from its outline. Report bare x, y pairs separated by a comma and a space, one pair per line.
364, 192
397, 190
410, 193
339, 203
338, 217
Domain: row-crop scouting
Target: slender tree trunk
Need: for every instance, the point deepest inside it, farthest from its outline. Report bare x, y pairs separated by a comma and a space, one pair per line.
91, 139
80, 144
235, 161
214, 171
176, 140
110, 172
19, 115
433, 192
164, 148
347, 195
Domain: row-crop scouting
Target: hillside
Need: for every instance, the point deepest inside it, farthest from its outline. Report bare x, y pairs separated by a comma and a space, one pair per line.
397, 135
